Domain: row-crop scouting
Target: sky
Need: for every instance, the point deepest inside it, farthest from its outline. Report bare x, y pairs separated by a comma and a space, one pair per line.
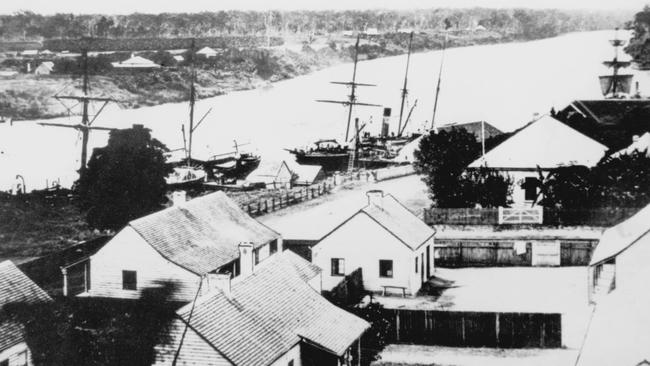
158, 6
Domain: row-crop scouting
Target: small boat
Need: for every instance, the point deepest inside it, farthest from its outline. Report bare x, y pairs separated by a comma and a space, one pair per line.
329, 154
186, 177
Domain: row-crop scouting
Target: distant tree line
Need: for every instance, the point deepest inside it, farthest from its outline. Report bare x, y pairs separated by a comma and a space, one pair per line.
525, 23
639, 47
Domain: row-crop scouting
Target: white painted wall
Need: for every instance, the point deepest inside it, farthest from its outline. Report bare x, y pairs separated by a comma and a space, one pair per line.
128, 251
632, 270
18, 354
293, 354
361, 242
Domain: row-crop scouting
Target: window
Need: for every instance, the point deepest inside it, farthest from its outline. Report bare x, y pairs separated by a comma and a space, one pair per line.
257, 255
416, 264
385, 268
290, 363
338, 267
4, 363
530, 187
273, 246
129, 280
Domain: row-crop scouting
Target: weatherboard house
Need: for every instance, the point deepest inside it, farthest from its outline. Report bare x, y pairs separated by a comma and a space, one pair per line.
540, 146
180, 245
17, 289
392, 246
618, 332
273, 316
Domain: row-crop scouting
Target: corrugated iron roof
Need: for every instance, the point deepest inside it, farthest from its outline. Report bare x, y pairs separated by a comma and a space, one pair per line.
203, 234
401, 222
16, 287
620, 237
270, 312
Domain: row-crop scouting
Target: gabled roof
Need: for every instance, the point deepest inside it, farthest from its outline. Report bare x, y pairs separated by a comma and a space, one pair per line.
207, 50
546, 143
269, 172
271, 311
136, 62
16, 287
391, 215
203, 234
612, 122
475, 128
620, 237
307, 174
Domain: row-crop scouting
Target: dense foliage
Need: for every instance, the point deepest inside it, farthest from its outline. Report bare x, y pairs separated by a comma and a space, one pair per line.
525, 23
614, 182
443, 158
124, 180
97, 332
639, 46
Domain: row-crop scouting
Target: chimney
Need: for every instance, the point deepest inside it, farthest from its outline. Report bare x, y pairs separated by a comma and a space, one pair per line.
179, 198
216, 282
376, 197
246, 259
635, 138
385, 123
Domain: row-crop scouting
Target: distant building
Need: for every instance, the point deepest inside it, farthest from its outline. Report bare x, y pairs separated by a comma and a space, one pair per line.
179, 58
478, 129
541, 145
136, 62
348, 33
180, 244
45, 68
405, 30
16, 288
307, 174
612, 122
274, 316
371, 32
207, 52
274, 175
29, 53
392, 246
618, 281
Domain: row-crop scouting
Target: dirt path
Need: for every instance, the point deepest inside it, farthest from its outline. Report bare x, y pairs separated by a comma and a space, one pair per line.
312, 220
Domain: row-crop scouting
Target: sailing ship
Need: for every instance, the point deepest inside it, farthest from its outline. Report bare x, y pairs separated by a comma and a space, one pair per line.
191, 173
362, 150
617, 84
232, 165
85, 126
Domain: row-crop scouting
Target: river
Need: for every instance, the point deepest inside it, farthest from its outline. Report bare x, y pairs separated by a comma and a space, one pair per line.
502, 84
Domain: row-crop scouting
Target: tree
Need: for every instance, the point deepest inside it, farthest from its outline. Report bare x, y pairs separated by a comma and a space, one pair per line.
486, 188
124, 180
442, 157
623, 181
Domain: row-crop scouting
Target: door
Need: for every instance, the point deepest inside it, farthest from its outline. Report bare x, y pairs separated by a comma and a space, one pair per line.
428, 262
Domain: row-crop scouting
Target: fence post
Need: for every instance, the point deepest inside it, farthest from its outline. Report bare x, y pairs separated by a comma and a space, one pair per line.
273, 203
497, 328
397, 325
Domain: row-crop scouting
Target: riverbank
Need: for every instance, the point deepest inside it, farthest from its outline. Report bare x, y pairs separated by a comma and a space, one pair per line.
28, 96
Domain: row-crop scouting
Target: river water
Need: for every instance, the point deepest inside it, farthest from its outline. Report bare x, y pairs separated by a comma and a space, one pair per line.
502, 84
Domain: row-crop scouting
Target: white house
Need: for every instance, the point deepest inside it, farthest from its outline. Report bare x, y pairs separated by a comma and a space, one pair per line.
45, 68
392, 246
17, 288
274, 174
207, 52
543, 144
619, 272
180, 244
136, 62
275, 316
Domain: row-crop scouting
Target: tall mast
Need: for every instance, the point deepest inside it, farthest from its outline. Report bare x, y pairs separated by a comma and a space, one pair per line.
353, 87
616, 83
86, 123
192, 100
352, 98
435, 103
404, 90
84, 115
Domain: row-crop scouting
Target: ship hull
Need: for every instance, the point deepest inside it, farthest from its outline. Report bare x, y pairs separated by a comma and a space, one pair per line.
329, 162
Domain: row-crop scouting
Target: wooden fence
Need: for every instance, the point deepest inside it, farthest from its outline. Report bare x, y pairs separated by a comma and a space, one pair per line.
475, 329
607, 216
259, 207
458, 253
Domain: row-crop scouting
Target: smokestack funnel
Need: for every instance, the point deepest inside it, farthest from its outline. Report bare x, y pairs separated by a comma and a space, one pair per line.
246, 258
385, 123
376, 197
